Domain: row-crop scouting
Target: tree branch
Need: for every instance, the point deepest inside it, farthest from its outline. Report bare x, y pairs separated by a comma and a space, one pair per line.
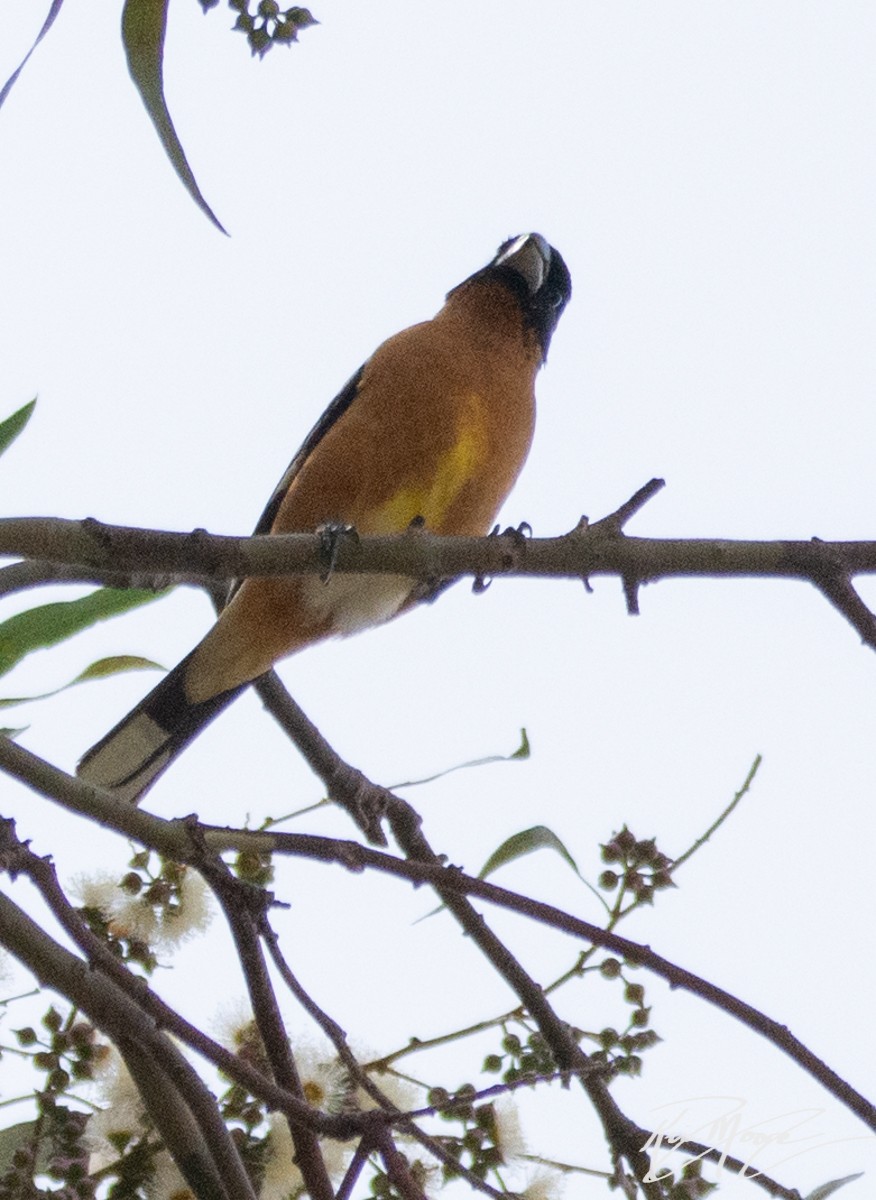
179, 1105
243, 906
174, 839
91, 552
19, 859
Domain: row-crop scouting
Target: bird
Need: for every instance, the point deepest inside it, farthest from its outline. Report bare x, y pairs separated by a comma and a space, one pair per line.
432, 431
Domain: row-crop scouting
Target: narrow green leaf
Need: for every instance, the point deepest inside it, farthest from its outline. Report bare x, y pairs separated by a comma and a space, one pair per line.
49, 624
519, 755
143, 27
47, 25
828, 1189
12, 426
116, 665
102, 669
539, 837
8, 732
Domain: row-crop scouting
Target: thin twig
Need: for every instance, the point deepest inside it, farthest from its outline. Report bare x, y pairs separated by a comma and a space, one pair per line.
720, 819
360, 1076
614, 523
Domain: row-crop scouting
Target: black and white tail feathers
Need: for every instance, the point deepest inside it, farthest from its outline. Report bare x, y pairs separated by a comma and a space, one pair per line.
141, 747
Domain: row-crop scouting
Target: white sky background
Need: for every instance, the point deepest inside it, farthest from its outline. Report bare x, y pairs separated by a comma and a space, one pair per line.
707, 170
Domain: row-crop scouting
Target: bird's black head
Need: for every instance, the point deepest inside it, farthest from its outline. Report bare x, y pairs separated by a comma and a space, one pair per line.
539, 278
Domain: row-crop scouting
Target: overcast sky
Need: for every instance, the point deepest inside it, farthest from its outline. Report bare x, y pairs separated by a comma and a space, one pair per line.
707, 171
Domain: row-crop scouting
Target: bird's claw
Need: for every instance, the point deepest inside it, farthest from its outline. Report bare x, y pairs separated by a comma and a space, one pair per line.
331, 534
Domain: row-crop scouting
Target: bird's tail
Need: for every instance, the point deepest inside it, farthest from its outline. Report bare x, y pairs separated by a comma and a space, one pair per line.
142, 746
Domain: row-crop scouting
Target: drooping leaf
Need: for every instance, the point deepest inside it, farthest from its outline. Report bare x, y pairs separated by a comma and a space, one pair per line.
539, 837
49, 624
47, 25
144, 23
12, 426
519, 755
102, 669
828, 1189
116, 664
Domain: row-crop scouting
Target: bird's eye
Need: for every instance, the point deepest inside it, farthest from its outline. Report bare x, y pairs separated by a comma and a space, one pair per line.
554, 298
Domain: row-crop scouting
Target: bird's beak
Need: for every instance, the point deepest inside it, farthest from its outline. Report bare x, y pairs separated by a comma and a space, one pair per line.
530, 256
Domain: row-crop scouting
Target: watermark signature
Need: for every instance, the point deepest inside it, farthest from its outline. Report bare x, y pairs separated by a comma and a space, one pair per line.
722, 1126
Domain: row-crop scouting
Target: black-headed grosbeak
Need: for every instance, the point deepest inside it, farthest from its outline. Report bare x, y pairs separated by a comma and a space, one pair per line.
434, 428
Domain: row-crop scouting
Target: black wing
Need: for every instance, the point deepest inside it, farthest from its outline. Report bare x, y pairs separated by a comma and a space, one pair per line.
336, 409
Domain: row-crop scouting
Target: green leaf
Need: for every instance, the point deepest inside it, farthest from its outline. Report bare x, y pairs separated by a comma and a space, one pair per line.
45, 626
116, 664
12, 426
828, 1189
143, 27
539, 837
102, 669
519, 755
47, 25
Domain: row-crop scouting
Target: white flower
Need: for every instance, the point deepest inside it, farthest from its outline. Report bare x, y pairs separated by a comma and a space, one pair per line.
123, 1116
509, 1136
167, 1183
336, 1156
401, 1092
544, 1184
100, 891
133, 918
398, 1091
127, 916
324, 1079
192, 915
233, 1024
282, 1179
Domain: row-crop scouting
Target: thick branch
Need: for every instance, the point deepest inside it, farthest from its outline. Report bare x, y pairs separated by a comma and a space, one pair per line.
159, 558
56, 550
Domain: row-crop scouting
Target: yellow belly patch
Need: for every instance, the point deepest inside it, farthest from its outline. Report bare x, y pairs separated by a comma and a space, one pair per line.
432, 498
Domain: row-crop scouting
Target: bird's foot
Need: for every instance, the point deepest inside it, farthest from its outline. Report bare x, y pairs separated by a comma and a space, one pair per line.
331, 534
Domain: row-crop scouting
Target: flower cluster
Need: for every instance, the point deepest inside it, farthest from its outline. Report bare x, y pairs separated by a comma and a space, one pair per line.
145, 911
